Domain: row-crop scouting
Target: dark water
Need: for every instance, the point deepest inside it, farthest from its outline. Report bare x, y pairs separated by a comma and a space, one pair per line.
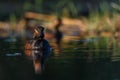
68, 66
15, 68
20, 68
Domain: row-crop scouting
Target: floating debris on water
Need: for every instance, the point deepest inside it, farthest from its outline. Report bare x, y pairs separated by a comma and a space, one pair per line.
13, 54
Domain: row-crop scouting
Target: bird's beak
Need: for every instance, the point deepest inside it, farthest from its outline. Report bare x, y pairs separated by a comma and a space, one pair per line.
36, 31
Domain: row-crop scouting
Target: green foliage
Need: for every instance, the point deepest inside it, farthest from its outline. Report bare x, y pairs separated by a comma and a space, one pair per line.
38, 5
104, 6
27, 6
13, 21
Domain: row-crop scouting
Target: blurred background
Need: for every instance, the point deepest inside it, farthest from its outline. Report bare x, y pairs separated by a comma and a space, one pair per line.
84, 36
